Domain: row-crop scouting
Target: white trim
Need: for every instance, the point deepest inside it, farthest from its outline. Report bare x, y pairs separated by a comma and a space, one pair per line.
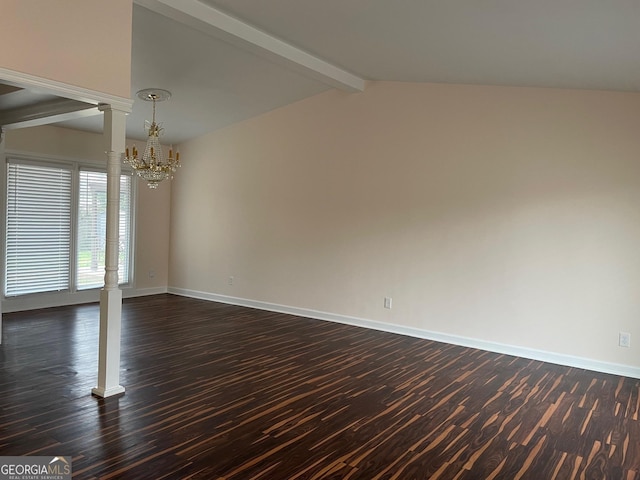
218, 24
144, 292
107, 392
54, 87
530, 353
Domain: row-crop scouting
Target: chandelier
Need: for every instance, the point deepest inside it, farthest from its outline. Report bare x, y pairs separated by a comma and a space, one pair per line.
153, 166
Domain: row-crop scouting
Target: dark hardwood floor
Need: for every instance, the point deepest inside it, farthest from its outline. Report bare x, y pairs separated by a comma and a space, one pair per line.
223, 392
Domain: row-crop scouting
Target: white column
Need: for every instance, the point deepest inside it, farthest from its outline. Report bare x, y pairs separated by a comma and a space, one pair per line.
111, 295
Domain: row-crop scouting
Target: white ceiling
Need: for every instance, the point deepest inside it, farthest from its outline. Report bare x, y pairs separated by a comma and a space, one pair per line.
219, 77
550, 43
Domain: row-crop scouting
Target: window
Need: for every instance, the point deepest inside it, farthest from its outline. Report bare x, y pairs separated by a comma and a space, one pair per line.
55, 228
38, 229
92, 216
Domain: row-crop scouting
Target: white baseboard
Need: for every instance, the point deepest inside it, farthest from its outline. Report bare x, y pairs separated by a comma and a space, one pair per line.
143, 292
530, 353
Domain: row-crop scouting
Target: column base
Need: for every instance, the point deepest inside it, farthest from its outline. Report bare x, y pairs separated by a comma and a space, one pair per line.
109, 392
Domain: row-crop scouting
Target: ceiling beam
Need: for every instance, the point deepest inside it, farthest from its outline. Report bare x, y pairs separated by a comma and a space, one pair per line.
37, 84
50, 111
218, 24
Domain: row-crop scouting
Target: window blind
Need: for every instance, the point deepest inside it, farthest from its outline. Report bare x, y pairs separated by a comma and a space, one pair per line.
92, 215
38, 237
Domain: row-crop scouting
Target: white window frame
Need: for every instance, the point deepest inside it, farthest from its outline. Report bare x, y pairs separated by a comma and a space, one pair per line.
72, 295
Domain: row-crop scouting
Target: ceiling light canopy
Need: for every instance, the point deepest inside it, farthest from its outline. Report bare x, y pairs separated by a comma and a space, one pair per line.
153, 166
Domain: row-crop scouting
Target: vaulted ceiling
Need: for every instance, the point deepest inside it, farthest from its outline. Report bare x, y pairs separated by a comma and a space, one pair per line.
228, 60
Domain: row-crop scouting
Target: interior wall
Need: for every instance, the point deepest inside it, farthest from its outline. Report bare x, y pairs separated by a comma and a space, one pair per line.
152, 207
506, 215
86, 43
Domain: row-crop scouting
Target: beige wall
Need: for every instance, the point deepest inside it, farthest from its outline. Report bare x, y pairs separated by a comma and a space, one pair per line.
152, 207
506, 215
85, 43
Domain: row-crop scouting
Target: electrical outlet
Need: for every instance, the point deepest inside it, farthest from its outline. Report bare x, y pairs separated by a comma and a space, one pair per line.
387, 302
624, 339
230, 280
152, 273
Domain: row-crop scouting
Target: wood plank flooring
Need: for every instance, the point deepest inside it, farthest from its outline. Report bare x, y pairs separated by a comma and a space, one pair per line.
229, 393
